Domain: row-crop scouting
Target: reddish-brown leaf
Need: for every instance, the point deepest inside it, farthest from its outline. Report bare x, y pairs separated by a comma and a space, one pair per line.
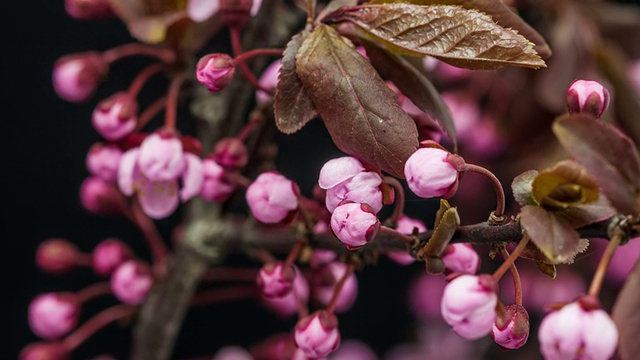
626, 315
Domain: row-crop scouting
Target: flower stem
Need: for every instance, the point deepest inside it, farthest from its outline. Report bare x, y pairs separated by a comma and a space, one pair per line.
236, 44
295, 251
151, 111
338, 288
172, 101
511, 259
156, 244
399, 198
96, 323
142, 77
497, 216
517, 284
601, 270
395, 233
93, 291
136, 48
258, 52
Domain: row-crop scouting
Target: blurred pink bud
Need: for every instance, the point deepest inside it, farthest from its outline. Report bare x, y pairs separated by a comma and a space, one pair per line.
425, 292
511, 329
103, 161
275, 279
586, 96
76, 76
232, 353
429, 173
362, 188
323, 257
317, 335
215, 187
469, 305
623, 260
116, 116
272, 197
324, 285
353, 350
52, 315
231, 153
268, 80
45, 351
201, 10
465, 112
57, 256
108, 255
634, 75
461, 258
99, 197
574, 332
289, 304
215, 71
354, 224
88, 9
428, 128
131, 282
446, 73
406, 225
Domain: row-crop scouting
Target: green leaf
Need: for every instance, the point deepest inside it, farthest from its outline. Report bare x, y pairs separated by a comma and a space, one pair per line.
564, 185
499, 12
413, 84
557, 240
292, 104
626, 315
356, 105
522, 189
460, 37
609, 156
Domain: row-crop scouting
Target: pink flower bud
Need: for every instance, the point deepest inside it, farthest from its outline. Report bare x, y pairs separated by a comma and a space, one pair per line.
103, 161
215, 71
354, 224
289, 304
276, 279
88, 9
469, 305
272, 197
317, 335
336, 171
465, 112
324, 284
231, 153
354, 350
108, 255
76, 76
53, 315
322, 256
511, 330
45, 351
57, 256
131, 282
461, 258
425, 293
268, 80
161, 157
99, 197
574, 332
586, 96
363, 188
429, 173
116, 116
215, 187
406, 225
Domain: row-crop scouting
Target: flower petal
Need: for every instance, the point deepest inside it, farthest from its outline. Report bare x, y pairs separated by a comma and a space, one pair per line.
158, 199
193, 177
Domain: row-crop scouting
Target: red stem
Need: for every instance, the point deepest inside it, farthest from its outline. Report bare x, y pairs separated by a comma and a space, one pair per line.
295, 251
511, 259
258, 52
216, 296
601, 270
96, 323
122, 51
500, 198
172, 101
395, 233
150, 112
93, 291
399, 198
152, 235
236, 44
338, 288
142, 77
517, 284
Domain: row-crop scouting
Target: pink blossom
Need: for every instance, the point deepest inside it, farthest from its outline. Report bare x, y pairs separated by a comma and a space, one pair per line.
317, 335
469, 305
354, 224
45, 351
103, 161
272, 197
425, 292
131, 282
289, 304
268, 80
100, 197
116, 116
201, 10
406, 225
57, 256
52, 315
276, 279
215, 71
324, 284
88, 9
76, 76
215, 187
345, 178
429, 173
336, 171
511, 330
574, 332
586, 96
154, 171
108, 255
461, 258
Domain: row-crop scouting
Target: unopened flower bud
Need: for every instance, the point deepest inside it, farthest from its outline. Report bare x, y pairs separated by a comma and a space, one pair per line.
103, 161
272, 197
108, 255
57, 256
116, 116
429, 173
289, 304
574, 332
215, 187
76, 76
231, 153
45, 351
461, 258
215, 71
586, 96
511, 329
317, 335
469, 305
276, 279
99, 197
324, 285
88, 9
355, 224
131, 282
52, 315
406, 225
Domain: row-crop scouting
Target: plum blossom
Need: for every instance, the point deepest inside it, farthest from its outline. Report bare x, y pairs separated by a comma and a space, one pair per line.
354, 224
276, 279
430, 174
511, 330
587, 96
345, 178
317, 335
272, 197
